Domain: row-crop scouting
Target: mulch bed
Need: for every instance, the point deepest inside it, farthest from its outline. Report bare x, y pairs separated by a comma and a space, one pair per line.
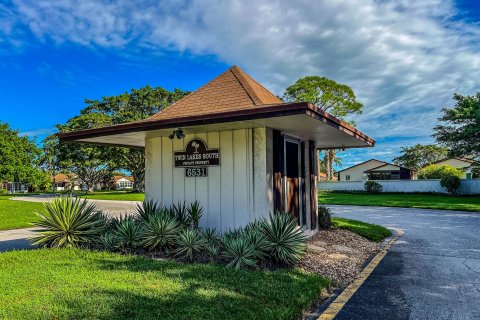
338, 255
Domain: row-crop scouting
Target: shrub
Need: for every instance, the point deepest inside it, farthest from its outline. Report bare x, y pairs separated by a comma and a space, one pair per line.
160, 231
239, 252
3, 191
195, 212
127, 233
324, 217
373, 187
287, 241
434, 171
189, 243
147, 208
451, 183
69, 222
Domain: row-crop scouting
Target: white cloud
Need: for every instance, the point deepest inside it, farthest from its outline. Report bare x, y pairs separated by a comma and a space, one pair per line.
37, 132
404, 59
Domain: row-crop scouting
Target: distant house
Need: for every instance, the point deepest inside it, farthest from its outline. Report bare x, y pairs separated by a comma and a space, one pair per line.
13, 187
466, 165
122, 182
64, 182
376, 170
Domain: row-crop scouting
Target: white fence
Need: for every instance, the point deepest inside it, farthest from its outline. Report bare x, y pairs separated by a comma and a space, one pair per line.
466, 186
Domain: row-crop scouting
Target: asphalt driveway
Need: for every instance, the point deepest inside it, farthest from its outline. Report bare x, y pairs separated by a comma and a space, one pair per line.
432, 272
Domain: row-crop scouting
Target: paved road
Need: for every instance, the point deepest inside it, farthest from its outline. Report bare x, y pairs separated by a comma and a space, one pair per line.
112, 207
432, 272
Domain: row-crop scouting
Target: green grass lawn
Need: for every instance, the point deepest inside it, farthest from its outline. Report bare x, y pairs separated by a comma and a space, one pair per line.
113, 195
17, 214
82, 284
370, 231
407, 200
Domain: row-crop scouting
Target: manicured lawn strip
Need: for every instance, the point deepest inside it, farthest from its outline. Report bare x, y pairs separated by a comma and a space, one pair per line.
406, 200
113, 195
82, 284
370, 231
17, 214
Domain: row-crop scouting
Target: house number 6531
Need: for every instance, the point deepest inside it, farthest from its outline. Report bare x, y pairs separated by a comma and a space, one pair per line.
196, 172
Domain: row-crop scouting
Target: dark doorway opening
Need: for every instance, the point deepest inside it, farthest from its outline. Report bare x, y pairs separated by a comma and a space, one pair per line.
293, 179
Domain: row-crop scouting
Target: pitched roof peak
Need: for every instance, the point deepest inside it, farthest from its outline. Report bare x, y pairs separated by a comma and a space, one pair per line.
230, 91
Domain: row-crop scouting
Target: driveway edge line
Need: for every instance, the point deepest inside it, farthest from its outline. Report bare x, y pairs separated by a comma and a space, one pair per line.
342, 298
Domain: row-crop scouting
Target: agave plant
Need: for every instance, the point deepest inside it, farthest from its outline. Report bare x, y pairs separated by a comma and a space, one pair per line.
160, 231
189, 243
68, 222
108, 241
259, 242
195, 212
211, 235
239, 252
213, 250
127, 233
287, 242
179, 211
147, 208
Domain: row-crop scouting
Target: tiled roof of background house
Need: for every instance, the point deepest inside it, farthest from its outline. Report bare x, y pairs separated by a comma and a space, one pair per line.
230, 91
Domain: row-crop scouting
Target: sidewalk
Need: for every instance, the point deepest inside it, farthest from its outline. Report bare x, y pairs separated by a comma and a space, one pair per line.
16, 239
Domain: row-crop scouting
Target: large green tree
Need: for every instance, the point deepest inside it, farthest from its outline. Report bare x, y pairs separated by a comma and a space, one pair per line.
335, 98
420, 155
126, 107
19, 158
459, 129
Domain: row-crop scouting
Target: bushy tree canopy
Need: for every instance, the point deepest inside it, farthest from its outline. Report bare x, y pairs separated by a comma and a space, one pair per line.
434, 171
335, 98
18, 157
420, 155
459, 130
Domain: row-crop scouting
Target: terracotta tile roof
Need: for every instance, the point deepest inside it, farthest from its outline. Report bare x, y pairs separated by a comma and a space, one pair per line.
230, 91
116, 178
61, 177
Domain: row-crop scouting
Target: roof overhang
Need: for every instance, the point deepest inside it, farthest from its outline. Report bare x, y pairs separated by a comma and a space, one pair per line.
302, 120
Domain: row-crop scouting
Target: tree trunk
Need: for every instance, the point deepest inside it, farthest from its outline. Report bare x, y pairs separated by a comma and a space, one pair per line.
319, 167
329, 157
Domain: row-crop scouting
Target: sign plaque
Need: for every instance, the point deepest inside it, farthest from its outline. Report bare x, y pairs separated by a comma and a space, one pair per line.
196, 156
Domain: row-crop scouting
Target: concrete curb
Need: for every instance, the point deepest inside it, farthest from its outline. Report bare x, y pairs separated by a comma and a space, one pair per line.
334, 304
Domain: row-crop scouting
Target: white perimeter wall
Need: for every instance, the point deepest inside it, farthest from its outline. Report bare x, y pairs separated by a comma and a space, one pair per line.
466, 187
234, 193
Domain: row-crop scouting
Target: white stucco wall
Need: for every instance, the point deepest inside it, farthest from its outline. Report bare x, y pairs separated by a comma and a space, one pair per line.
234, 193
433, 185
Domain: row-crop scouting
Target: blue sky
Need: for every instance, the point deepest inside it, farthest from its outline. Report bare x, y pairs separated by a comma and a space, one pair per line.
404, 59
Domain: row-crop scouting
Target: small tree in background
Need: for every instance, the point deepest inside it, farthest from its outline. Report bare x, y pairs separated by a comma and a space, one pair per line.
330, 96
451, 183
373, 187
